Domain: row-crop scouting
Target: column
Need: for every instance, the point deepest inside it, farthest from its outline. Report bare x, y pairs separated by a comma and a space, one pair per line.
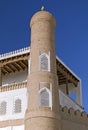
0, 76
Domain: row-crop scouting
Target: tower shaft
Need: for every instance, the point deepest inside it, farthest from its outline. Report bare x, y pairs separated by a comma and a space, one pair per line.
43, 98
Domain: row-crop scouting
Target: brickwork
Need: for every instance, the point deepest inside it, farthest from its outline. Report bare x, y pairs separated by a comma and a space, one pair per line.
73, 120
42, 41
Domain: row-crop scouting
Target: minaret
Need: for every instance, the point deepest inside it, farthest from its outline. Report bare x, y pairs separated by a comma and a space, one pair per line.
43, 99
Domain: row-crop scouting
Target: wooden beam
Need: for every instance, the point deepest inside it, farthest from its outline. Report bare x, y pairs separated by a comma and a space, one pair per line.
18, 66
9, 68
6, 69
67, 75
14, 59
23, 64
67, 89
13, 67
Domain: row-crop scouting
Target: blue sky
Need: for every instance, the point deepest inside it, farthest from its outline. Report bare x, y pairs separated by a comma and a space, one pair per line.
71, 31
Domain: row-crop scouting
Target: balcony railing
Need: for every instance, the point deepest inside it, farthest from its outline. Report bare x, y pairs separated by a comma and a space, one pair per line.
67, 101
8, 87
15, 53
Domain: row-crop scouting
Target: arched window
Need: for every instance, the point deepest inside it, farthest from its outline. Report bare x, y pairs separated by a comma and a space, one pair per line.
3, 106
44, 60
17, 106
45, 97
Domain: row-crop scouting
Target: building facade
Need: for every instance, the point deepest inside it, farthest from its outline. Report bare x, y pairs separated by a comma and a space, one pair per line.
37, 87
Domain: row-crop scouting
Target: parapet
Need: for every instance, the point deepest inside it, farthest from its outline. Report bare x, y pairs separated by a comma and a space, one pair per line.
74, 116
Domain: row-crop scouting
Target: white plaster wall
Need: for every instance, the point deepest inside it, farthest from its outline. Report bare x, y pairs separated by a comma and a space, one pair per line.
14, 77
20, 127
10, 97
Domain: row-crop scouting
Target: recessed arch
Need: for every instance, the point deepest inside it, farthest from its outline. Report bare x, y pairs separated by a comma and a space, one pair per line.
3, 107
45, 97
17, 106
44, 62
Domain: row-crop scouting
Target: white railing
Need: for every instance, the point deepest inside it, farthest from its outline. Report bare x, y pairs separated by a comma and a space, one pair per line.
14, 53
13, 86
67, 101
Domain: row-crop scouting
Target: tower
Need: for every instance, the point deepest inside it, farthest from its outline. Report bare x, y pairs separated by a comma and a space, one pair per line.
43, 99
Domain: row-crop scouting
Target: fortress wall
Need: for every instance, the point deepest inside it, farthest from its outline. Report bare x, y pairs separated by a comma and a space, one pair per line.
73, 120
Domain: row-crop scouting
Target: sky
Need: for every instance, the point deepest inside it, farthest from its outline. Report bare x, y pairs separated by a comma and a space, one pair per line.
71, 33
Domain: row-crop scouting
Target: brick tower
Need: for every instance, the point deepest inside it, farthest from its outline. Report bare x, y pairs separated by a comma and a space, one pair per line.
43, 99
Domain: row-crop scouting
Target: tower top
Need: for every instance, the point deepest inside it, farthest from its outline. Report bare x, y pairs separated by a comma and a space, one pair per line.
42, 8
43, 16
